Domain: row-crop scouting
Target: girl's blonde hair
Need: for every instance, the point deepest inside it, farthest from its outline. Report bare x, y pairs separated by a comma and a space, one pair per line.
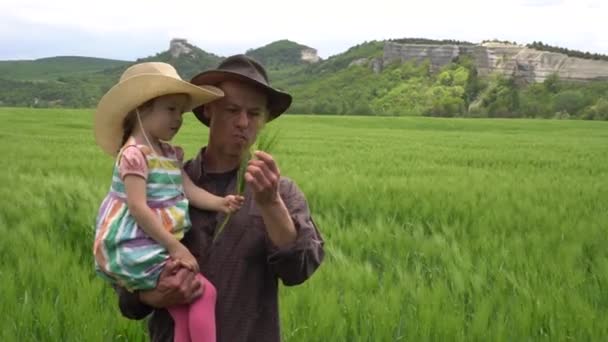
128, 125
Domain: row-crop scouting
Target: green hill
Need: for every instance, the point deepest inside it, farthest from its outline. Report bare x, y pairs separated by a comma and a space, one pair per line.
279, 54
305, 74
55, 67
80, 81
357, 81
188, 59
454, 91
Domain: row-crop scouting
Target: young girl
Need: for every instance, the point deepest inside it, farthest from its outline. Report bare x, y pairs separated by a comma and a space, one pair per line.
145, 213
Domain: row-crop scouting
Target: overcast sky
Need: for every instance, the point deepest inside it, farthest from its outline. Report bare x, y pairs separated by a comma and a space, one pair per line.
128, 29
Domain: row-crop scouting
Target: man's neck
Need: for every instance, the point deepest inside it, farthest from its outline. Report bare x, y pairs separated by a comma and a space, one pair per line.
216, 162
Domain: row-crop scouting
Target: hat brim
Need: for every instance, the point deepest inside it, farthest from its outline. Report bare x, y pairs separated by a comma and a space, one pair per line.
278, 101
124, 97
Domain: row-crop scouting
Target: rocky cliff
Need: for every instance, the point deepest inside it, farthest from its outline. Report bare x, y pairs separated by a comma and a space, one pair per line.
309, 55
512, 60
178, 47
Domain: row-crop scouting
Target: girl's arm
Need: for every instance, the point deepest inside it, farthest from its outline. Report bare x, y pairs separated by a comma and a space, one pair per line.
205, 200
135, 187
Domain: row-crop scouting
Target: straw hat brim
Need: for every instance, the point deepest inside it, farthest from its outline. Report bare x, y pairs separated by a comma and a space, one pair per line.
127, 95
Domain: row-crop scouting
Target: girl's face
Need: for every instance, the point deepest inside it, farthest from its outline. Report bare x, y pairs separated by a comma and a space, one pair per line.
164, 118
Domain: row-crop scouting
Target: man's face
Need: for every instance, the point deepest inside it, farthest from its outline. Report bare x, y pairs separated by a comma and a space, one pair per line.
236, 118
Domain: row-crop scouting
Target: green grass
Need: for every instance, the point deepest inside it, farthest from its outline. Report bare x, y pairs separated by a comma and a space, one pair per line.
52, 68
435, 229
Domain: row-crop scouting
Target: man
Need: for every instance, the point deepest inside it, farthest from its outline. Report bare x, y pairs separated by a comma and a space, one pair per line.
271, 237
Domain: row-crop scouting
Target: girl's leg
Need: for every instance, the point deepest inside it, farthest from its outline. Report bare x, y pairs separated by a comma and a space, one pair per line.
202, 314
179, 313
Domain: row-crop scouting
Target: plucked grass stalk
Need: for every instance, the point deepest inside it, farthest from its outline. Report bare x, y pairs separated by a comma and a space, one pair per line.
264, 142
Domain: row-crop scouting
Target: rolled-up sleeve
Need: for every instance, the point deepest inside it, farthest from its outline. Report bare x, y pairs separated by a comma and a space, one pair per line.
130, 305
296, 262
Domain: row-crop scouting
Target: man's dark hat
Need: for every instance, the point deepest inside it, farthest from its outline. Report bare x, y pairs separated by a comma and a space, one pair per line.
245, 69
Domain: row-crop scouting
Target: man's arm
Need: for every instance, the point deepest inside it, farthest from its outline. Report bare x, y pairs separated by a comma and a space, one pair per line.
176, 285
295, 262
130, 305
295, 244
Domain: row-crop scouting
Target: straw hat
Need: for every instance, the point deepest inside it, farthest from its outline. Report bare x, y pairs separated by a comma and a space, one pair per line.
245, 69
138, 84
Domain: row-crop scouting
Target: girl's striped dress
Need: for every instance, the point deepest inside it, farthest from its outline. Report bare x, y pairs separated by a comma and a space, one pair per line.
124, 254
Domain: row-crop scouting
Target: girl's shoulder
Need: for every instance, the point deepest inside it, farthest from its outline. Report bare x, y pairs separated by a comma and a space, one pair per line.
131, 144
145, 149
134, 150
173, 151
133, 160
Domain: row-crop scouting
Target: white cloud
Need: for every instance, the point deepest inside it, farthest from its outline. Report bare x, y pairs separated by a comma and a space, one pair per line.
330, 26
541, 3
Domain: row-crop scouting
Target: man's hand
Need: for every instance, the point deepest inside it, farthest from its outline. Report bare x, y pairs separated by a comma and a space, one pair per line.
176, 285
263, 176
182, 255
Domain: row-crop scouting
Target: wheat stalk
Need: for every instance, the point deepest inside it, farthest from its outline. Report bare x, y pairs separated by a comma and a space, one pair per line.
264, 142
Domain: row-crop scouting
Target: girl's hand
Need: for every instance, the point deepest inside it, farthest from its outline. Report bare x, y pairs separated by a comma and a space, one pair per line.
182, 255
231, 203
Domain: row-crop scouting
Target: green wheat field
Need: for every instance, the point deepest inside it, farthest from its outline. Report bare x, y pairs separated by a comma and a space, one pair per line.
435, 229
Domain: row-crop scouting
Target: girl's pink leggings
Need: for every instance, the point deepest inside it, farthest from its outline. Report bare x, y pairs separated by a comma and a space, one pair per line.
196, 322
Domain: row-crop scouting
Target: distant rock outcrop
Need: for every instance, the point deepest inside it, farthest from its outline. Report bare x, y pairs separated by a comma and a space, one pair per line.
283, 53
438, 55
309, 55
359, 61
188, 59
511, 60
178, 47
